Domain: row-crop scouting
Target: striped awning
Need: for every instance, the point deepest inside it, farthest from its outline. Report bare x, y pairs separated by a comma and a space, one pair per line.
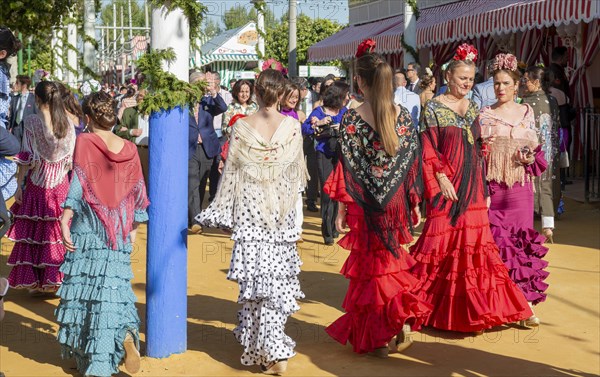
474, 18
208, 59
342, 45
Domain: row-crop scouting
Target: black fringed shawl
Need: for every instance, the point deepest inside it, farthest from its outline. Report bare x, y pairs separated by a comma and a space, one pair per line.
375, 180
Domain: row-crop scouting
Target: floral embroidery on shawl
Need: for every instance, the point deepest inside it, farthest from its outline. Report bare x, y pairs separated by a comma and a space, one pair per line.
373, 178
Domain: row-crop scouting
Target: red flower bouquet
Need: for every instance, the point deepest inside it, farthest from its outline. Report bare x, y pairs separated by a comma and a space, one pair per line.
274, 64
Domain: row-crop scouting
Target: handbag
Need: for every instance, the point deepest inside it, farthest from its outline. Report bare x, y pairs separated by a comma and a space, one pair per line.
563, 161
325, 132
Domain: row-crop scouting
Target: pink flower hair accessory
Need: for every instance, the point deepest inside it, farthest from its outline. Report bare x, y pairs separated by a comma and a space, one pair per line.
274, 64
466, 52
505, 62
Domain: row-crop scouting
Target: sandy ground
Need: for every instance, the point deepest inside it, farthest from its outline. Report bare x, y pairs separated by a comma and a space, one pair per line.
567, 344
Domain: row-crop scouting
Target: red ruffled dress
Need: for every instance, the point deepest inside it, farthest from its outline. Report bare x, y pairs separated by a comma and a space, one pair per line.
458, 261
379, 300
38, 251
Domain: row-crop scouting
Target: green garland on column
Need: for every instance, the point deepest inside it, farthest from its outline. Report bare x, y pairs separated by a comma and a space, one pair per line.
414, 7
409, 48
260, 6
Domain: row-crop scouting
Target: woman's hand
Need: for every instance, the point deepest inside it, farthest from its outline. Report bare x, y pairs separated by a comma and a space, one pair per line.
65, 230
416, 216
340, 219
524, 158
18, 194
488, 140
221, 166
447, 188
488, 202
324, 121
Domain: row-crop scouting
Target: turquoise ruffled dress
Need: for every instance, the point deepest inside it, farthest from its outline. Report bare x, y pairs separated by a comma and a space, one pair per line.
97, 306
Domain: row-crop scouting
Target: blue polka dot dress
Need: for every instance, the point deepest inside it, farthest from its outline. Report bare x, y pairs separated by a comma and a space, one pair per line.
97, 303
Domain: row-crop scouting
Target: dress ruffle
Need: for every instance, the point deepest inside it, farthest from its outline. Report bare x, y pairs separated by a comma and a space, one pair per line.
38, 249
462, 275
522, 250
97, 305
380, 297
266, 272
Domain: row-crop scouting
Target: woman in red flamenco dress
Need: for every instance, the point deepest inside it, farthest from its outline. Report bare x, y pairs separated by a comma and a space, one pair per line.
458, 262
376, 183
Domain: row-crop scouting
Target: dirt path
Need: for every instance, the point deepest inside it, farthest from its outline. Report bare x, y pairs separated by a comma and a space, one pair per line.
567, 343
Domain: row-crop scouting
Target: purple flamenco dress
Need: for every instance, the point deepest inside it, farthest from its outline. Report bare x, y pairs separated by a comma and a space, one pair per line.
511, 210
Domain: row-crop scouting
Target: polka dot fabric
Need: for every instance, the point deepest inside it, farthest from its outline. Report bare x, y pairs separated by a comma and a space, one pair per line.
38, 250
265, 263
97, 303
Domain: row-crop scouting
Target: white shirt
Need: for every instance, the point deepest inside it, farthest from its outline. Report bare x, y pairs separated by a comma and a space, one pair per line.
145, 127
228, 98
409, 100
308, 103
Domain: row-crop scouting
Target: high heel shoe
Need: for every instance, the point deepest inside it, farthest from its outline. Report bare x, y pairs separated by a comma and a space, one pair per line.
532, 321
132, 355
275, 368
401, 341
548, 233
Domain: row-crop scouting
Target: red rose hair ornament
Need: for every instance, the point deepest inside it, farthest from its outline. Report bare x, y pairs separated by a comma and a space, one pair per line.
365, 47
466, 52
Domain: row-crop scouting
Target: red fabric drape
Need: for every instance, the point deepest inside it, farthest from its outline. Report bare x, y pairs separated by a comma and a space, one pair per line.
530, 45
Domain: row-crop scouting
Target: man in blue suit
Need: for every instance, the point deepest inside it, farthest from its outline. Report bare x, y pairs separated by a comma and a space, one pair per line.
204, 147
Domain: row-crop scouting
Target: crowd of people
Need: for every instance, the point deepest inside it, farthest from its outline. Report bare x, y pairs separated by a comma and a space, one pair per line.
378, 155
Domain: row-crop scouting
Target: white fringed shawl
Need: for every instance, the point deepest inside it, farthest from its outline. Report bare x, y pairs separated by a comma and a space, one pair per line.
276, 166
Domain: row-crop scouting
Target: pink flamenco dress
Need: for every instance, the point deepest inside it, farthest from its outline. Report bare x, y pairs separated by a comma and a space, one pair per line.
38, 251
458, 262
511, 190
379, 192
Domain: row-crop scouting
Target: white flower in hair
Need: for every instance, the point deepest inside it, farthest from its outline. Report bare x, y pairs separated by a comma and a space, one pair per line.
471, 56
428, 71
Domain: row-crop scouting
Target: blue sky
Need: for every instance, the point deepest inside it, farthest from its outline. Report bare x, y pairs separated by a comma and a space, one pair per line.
335, 10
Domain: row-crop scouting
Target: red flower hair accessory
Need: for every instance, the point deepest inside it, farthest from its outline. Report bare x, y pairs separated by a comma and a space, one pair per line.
466, 52
274, 64
365, 47
505, 61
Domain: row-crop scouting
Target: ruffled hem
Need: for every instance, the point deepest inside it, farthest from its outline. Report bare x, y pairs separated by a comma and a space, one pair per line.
522, 250
26, 276
35, 231
360, 238
469, 289
263, 341
374, 326
37, 255
267, 272
97, 306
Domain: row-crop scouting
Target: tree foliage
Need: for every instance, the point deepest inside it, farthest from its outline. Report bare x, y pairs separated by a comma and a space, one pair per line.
240, 15
309, 32
32, 17
211, 28
138, 18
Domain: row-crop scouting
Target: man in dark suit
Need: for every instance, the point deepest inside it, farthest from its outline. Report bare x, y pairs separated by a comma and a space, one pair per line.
21, 105
203, 149
413, 70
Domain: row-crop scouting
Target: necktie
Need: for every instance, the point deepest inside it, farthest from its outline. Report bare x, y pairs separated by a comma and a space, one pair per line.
20, 109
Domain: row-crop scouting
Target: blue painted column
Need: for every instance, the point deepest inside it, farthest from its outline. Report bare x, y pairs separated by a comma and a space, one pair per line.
166, 271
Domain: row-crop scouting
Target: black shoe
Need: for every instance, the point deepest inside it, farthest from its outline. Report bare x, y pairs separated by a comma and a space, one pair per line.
329, 241
336, 234
312, 208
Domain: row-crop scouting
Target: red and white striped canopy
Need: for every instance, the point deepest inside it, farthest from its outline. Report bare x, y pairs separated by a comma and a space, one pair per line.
343, 44
474, 18
459, 21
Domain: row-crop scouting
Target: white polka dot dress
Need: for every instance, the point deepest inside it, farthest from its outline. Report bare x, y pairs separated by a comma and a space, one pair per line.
262, 216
